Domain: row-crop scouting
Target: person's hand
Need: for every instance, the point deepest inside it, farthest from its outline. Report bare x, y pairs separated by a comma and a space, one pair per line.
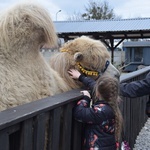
85, 92
74, 73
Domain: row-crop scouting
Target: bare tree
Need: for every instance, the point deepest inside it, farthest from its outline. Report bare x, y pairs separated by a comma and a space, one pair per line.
98, 10
95, 11
75, 16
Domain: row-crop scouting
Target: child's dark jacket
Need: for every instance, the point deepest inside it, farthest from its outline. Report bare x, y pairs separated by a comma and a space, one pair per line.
100, 122
88, 82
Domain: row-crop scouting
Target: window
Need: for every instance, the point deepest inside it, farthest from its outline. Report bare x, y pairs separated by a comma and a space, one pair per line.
138, 54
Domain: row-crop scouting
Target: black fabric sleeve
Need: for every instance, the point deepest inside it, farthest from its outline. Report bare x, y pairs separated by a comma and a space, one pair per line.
87, 81
136, 88
86, 114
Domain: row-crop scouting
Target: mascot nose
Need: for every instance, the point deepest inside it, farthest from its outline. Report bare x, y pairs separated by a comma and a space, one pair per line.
117, 75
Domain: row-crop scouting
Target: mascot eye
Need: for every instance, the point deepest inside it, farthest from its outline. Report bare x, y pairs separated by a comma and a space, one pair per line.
93, 68
78, 56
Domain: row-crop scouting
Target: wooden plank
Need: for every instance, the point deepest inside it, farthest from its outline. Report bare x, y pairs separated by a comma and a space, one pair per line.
54, 131
27, 135
14, 141
17, 114
4, 140
10, 138
67, 126
77, 135
39, 132
132, 122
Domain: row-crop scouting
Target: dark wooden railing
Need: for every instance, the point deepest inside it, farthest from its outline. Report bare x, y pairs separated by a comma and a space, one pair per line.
43, 124
133, 109
47, 124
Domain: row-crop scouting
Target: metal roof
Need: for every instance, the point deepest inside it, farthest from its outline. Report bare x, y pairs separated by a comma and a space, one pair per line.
112, 25
105, 30
136, 44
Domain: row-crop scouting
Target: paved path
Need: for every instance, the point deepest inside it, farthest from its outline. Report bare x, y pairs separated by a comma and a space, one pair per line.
143, 139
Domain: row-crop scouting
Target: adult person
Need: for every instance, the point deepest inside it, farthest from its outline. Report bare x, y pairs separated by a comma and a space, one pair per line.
137, 89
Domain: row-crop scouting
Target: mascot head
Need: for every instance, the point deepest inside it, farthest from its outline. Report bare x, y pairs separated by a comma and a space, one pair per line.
87, 55
29, 25
24, 73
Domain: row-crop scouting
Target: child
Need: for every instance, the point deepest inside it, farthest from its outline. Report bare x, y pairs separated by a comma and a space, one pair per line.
104, 119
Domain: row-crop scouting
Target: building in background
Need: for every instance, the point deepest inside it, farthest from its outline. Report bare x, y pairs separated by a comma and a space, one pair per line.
119, 55
137, 55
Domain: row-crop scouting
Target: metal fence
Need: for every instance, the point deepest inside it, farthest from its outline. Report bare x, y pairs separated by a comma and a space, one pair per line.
47, 124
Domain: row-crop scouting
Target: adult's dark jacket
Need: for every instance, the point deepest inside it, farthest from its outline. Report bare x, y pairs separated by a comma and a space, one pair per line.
136, 88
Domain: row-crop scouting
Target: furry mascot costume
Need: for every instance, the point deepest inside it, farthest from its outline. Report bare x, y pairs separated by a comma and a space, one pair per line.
25, 76
85, 54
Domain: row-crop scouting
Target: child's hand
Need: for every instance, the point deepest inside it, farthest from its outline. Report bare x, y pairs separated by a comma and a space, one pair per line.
74, 73
85, 92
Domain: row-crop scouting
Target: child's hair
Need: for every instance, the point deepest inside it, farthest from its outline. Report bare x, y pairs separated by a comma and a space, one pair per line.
108, 88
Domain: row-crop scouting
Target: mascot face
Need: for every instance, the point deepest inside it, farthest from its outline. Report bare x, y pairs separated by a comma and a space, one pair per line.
29, 25
89, 57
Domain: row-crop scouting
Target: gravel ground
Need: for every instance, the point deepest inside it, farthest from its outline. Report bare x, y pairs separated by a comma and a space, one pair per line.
143, 139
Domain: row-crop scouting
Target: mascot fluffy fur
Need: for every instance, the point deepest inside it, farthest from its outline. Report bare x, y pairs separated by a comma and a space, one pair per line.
85, 54
24, 74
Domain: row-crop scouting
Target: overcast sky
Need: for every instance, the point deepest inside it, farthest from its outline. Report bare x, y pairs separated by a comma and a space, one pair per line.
123, 8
